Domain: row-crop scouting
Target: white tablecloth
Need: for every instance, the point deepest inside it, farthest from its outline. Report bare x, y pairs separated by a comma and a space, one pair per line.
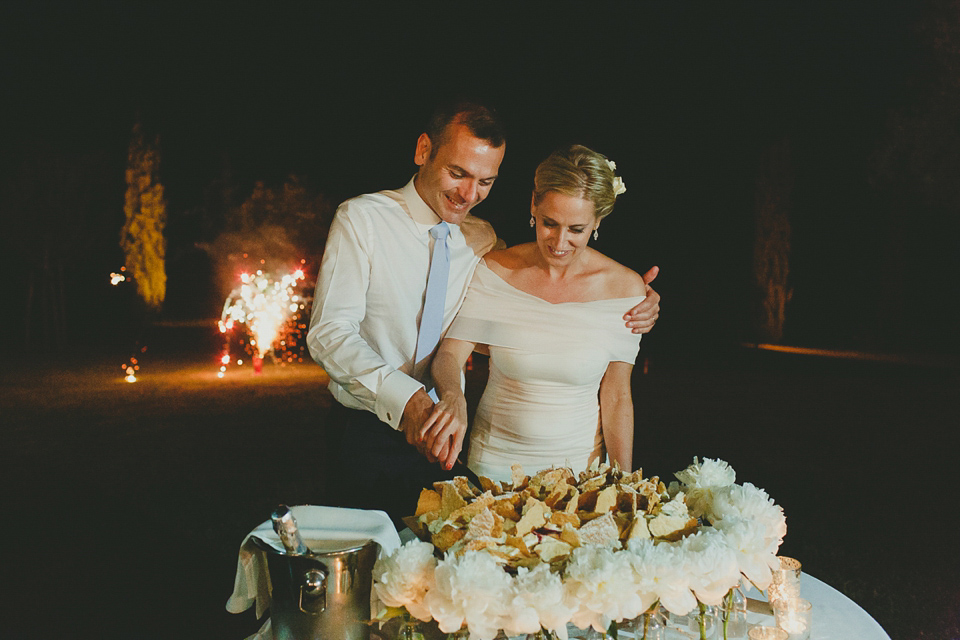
835, 616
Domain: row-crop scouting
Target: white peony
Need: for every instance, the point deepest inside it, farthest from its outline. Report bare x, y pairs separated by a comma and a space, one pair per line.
712, 564
601, 587
665, 573
754, 526
471, 589
709, 474
702, 480
403, 577
752, 549
537, 601
752, 503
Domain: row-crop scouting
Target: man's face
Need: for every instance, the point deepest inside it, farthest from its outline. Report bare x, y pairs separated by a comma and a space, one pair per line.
460, 173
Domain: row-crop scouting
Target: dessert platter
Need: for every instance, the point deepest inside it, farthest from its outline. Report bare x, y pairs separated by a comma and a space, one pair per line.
560, 551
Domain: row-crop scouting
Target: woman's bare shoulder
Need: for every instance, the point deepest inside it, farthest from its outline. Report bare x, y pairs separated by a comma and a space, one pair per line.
619, 281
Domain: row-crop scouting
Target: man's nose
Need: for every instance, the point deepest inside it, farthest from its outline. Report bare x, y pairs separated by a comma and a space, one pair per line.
469, 190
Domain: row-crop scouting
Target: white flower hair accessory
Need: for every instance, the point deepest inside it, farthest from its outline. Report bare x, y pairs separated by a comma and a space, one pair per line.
618, 186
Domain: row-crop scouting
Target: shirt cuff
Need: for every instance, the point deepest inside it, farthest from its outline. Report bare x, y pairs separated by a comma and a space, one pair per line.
395, 391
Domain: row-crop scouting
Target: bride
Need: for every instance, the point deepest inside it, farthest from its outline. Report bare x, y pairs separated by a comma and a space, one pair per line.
549, 313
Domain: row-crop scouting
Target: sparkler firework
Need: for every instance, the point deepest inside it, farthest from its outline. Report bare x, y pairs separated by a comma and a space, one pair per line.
269, 307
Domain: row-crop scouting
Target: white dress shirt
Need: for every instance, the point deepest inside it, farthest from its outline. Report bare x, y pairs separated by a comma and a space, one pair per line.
370, 291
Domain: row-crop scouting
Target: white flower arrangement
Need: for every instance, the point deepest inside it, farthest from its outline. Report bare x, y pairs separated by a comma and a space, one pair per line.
740, 530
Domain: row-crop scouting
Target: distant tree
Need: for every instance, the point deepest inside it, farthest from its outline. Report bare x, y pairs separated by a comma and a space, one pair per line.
915, 171
46, 201
142, 238
771, 250
921, 151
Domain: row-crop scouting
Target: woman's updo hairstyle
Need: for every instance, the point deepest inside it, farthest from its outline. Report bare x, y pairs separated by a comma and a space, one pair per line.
578, 172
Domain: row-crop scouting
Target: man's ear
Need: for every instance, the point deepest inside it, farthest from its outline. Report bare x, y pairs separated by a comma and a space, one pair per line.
423, 150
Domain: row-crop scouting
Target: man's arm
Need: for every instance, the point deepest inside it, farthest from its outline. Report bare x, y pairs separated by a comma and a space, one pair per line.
417, 411
334, 339
643, 316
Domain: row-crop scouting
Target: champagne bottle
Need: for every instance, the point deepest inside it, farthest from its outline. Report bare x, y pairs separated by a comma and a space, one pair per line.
286, 527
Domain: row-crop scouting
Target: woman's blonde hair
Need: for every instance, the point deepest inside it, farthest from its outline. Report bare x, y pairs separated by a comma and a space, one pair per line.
579, 172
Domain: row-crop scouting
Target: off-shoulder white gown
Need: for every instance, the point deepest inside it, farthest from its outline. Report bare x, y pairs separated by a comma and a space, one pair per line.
541, 406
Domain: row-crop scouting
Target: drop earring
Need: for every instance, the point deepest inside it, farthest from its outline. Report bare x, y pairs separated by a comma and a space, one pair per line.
596, 235
533, 221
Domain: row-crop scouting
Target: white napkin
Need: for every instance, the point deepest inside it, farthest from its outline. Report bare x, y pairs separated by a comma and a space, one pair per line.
252, 582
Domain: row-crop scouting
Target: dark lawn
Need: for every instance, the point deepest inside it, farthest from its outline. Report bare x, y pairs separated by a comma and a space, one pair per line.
126, 503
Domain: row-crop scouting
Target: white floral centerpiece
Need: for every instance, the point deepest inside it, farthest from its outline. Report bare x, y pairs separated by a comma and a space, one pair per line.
544, 552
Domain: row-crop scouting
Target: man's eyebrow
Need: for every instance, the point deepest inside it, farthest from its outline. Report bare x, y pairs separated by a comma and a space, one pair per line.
459, 169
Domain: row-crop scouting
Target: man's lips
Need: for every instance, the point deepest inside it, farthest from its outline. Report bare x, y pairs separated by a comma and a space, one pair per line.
454, 204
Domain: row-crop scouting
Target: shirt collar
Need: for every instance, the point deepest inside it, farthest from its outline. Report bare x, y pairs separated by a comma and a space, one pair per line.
419, 210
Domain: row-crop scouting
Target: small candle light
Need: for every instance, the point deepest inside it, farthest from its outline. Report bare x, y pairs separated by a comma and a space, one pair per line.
767, 633
794, 616
786, 580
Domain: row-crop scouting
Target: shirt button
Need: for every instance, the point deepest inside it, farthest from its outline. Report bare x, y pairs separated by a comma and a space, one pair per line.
389, 416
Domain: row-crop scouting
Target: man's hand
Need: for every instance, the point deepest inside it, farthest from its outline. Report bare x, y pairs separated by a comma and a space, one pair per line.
643, 316
444, 430
418, 409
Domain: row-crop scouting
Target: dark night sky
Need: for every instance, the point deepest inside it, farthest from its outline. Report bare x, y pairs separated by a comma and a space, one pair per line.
684, 97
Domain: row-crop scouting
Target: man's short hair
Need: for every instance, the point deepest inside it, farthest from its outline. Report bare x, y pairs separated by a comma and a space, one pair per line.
481, 119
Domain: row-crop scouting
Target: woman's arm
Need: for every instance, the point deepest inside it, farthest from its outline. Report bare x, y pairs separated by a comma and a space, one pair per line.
616, 413
442, 433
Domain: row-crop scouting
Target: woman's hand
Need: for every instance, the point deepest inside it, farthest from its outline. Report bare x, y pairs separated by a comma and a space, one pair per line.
443, 432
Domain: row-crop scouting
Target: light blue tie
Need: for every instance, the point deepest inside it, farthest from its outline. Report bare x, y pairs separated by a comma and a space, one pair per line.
431, 321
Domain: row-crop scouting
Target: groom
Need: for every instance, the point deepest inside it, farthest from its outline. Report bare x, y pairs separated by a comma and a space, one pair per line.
376, 318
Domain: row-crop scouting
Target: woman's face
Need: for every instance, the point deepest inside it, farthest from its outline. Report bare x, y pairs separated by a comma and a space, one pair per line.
564, 224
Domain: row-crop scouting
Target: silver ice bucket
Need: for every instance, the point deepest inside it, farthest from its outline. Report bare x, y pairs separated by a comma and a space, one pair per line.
323, 595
